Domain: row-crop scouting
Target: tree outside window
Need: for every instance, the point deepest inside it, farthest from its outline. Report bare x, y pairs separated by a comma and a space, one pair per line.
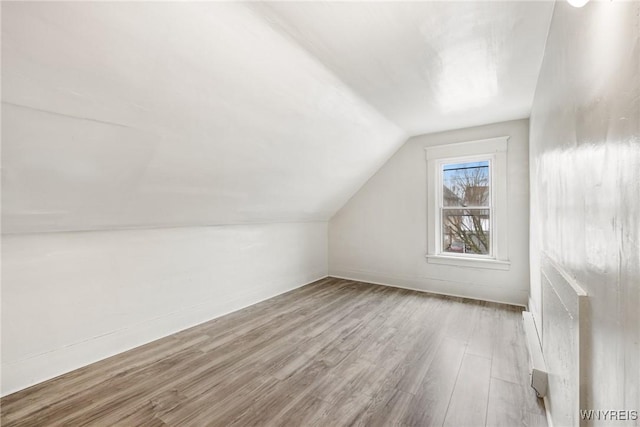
465, 208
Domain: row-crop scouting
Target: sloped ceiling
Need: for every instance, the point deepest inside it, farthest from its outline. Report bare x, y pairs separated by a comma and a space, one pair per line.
428, 66
136, 114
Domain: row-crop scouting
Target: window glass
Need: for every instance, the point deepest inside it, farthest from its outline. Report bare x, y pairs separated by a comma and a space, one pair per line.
466, 231
467, 186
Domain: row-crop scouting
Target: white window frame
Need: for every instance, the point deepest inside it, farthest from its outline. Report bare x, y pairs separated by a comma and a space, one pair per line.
495, 151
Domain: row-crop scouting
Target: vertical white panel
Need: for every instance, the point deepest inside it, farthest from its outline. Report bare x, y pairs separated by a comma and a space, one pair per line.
565, 353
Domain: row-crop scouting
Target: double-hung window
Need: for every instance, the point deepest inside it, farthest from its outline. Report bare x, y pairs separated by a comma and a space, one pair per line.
466, 194
465, 206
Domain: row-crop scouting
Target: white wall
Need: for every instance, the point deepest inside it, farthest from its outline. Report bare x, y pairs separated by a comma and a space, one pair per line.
380, 234
585, 188
69, 299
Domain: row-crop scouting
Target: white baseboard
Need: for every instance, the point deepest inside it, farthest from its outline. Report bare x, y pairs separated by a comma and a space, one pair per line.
421, 284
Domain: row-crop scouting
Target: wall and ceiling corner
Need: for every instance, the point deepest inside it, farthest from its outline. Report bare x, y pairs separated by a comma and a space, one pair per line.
585, 202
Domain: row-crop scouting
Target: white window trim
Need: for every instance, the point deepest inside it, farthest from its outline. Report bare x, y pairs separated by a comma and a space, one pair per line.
494, 150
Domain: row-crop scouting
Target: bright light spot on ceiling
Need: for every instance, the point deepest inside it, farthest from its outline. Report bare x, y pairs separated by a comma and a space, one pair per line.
468, 77
577, 3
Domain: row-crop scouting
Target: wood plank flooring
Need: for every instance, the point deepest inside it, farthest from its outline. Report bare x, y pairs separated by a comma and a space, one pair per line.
332, 353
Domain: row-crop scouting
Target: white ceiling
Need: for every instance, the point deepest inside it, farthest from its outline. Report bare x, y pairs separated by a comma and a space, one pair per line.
131, 114
427, 66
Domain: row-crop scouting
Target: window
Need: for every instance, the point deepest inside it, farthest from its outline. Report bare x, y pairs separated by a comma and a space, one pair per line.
467, 204
465, 207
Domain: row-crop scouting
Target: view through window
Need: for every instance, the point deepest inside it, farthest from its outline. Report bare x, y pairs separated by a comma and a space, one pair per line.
465, 208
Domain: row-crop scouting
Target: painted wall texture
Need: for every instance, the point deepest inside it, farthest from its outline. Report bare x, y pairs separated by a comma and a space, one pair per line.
380, 235
173, 114
69, 299
585, 188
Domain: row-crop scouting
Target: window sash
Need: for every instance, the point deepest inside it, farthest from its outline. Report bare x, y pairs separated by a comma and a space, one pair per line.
487, 207
464, 222
442, 208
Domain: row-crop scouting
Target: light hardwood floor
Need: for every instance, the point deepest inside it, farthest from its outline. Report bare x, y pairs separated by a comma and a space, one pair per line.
332, 353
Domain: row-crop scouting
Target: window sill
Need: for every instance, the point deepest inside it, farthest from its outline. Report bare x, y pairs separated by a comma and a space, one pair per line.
492, 264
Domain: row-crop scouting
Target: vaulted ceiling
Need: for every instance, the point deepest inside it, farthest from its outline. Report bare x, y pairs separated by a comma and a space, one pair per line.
136, 114
427, 66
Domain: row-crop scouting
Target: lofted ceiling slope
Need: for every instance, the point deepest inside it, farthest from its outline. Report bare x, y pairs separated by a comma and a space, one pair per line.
136, 114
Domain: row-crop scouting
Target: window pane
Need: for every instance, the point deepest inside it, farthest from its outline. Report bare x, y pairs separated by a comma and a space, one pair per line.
465, 184
465, 231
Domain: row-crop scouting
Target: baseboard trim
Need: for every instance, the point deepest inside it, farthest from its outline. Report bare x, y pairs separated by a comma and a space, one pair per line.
427, 291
